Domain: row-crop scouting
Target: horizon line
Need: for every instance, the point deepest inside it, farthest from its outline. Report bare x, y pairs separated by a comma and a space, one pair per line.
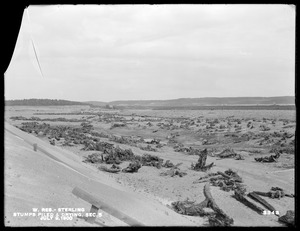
207, 97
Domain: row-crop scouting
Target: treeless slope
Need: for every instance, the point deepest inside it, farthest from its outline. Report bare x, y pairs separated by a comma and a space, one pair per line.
36, 180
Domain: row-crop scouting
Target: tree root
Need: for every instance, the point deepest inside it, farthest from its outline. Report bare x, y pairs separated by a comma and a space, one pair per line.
218, 218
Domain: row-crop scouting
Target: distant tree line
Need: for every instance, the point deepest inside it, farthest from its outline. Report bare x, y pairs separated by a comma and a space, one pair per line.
41, 102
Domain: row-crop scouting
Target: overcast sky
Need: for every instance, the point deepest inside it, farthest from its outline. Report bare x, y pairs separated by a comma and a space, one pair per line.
137, 52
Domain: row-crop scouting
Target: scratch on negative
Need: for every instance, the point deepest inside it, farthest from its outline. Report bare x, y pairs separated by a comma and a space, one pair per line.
37, 59
32, 42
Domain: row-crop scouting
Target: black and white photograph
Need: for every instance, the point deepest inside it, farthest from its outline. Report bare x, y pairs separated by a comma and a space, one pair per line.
166, 115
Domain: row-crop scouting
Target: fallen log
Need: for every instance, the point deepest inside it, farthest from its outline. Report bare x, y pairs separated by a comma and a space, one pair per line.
274, 194
224, 175
289, 195
209, 177
221, 218
238, 196
200, 181
211, 201
257, 198
266, 194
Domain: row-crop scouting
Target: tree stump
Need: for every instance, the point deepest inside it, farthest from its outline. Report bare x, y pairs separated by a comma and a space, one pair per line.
202, 159
201, 164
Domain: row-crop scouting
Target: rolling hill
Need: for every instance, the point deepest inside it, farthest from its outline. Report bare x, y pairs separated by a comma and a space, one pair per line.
172, 103
42, 102
209, 101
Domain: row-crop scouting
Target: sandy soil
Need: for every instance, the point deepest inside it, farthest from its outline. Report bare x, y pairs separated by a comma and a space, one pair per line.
33, 179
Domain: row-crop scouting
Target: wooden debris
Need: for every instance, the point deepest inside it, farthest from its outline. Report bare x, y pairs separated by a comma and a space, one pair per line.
266, 194
148, 148
133, 167
205, 178
240, 197
227, 153
239, 157
288, 218
257, 198
113, 169
224, 175
208, 176
93, 158
190, 208
268, 159
173, 172
229, 180
169, 164
200, 165
117, 125
275, 192
151, 160
207, 167
233, 175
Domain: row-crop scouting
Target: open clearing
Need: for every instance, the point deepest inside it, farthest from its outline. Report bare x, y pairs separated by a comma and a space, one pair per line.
70, 134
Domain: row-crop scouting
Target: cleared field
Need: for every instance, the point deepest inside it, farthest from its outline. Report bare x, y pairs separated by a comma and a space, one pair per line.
253, 114
180, 137
231, 107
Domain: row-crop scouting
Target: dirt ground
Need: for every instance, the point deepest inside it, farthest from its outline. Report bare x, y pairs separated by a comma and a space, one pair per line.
251, 134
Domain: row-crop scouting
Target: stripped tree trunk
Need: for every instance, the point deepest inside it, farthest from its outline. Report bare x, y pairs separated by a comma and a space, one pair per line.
257, 198
243, 200
221, 217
